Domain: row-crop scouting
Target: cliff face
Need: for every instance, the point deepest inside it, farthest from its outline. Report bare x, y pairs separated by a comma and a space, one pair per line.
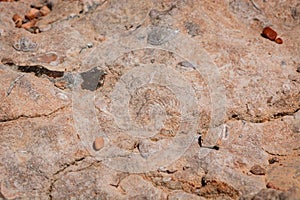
149, 99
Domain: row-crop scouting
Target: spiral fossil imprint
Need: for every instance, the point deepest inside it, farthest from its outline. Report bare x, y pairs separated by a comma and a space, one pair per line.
152, 103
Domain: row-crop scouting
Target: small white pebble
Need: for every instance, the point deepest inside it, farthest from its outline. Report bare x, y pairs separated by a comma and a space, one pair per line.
62, 96
89, 45
166, 179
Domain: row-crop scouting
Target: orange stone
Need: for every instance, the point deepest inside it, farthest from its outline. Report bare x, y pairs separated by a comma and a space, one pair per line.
45, 10
269, 33
98, 143
33, 13
18, 20
29, 24
278, 41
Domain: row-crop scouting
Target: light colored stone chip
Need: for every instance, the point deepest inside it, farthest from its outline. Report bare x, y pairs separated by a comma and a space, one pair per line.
98, 143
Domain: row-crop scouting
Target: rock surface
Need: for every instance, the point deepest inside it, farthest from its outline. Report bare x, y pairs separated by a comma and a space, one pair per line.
148, 77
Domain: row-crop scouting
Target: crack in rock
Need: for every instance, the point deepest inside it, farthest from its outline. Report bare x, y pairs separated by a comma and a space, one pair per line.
273, 117
33, 116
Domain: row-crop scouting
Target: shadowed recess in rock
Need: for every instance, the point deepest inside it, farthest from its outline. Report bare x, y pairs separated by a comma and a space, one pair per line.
39, 70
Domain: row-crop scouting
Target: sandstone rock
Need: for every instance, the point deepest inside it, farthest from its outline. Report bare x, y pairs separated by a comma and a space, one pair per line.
269, 194
178, 195
188, 67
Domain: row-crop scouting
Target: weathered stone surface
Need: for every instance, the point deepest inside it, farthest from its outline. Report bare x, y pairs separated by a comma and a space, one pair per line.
24, 95
271, 194
173, 70
257, 170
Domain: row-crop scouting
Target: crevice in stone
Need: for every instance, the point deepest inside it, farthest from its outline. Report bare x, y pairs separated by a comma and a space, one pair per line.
38, 70
273, 154
211, 189
66, 165
53, 180
63, 171
275, 116
218, 189
33, 116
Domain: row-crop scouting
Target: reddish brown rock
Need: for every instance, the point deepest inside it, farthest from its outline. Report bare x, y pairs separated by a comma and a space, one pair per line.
278, 40
269, 33
29, 24
45, 10
32, 14
18, 20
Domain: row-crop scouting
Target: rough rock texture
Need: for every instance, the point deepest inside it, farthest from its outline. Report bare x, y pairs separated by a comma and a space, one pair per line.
150, 77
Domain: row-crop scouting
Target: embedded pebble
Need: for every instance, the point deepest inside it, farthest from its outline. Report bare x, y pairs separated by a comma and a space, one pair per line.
25, 45
30, 24
18, 20
45, 10
273, 160
269, 33
92, 79
32, 13
257, 170
298, 69
186, 64
98, 143
278, 40
89, 45
154, 14
62, 96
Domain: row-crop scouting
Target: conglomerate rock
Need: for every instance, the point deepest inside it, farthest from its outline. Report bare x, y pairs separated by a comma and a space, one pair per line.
189, 100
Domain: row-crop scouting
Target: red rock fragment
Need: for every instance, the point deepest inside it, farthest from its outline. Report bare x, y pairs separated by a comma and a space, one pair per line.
29, 24
32, 14
278, 41
269, 33
18, 20
45, 10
